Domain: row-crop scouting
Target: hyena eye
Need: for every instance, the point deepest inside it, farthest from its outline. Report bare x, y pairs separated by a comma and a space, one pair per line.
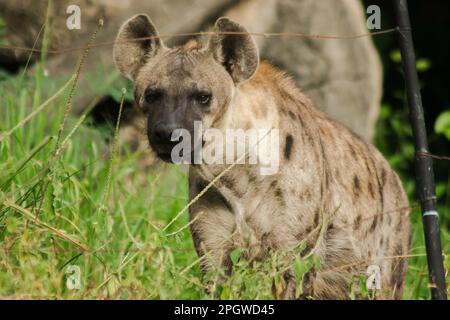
203, 98
152, 95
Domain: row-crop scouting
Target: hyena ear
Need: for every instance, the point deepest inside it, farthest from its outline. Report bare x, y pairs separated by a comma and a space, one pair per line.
238, 53
130, 55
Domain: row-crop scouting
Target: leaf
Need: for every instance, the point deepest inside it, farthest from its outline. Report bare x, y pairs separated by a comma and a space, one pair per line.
423, 65
300, 268
396, 56
385, 111
317, 264
447, 261
234, 255
362, 286
226, 293
441, 189
278, 286
442, 124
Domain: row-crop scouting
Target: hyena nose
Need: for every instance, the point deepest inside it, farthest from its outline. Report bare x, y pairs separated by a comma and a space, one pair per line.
163, 132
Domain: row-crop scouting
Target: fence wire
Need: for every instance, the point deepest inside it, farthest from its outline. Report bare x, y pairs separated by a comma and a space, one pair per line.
205, 33
84, 250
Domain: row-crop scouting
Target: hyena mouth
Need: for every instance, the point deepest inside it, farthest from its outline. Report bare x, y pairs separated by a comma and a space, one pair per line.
170, 156
166, 157
187, 156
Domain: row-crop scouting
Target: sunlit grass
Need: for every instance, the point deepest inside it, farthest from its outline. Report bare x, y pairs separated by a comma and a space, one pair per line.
114, 209
94, 207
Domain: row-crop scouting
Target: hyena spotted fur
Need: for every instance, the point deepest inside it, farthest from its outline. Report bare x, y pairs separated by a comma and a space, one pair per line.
333, 191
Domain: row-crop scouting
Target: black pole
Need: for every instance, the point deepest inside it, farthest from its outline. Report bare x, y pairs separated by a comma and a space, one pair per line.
423, 163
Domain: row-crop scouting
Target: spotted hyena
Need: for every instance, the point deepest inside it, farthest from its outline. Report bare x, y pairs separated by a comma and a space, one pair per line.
333, 191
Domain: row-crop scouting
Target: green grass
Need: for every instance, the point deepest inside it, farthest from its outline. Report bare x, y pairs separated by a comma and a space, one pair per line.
89, 196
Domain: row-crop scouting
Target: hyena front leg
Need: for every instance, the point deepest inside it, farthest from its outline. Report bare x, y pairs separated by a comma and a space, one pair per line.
212, 232
290, 289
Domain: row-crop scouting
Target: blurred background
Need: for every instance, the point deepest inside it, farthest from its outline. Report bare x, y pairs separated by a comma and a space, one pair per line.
430, 23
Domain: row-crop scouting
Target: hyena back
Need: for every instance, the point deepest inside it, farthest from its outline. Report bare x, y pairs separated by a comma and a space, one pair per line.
333, 191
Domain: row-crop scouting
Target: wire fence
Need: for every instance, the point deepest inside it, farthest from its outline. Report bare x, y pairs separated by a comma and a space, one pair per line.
199, 34
84, 249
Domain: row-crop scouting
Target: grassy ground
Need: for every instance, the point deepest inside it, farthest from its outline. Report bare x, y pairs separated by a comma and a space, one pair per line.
75, 200
67, 197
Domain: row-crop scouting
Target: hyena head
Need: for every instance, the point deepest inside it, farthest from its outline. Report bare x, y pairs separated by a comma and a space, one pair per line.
177, 86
